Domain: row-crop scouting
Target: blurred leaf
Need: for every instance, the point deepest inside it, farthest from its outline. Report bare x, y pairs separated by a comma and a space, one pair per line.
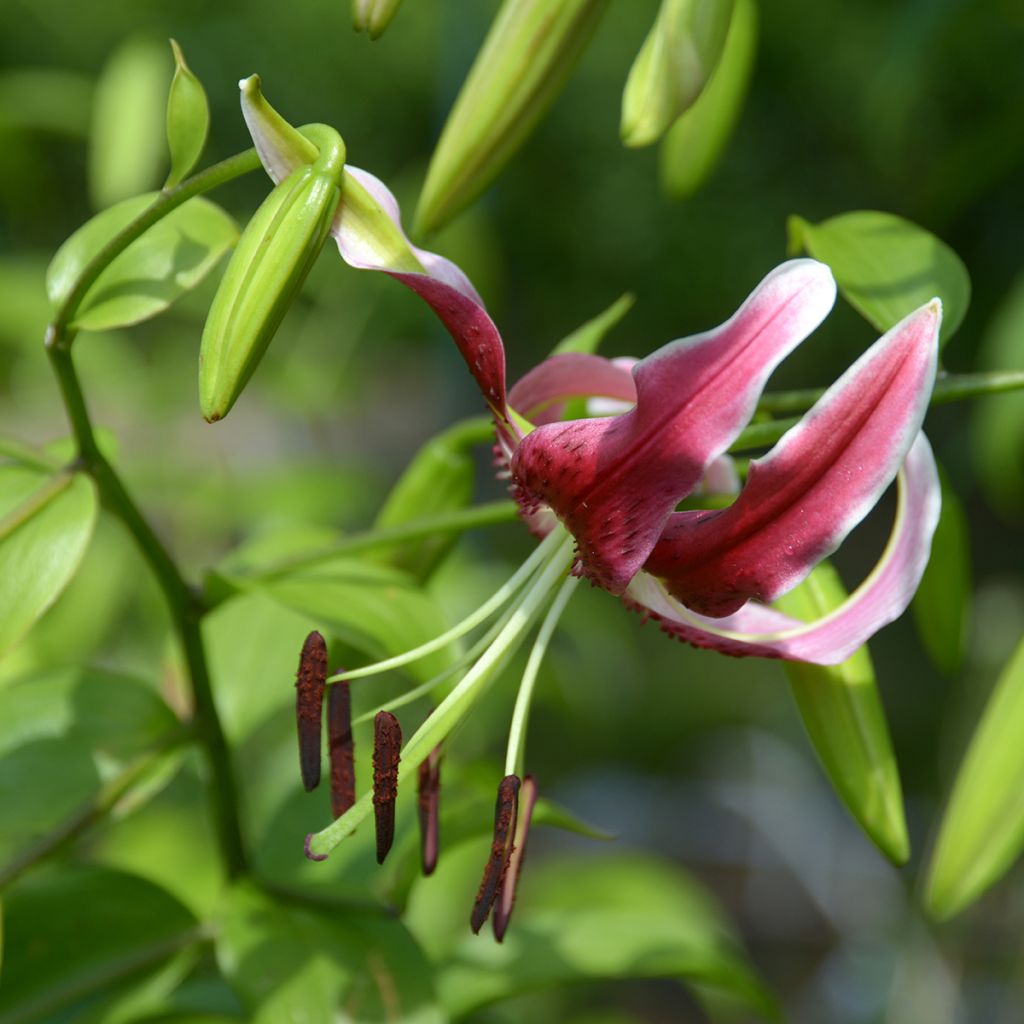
63, 735
845, 720
982, 831
188, 119
942, 603
609, 917
291, 964
998, 433
530, 51
127, 145
547, 812
49, 99
886, 267
695, 143
673, 66
587, 337
82, 936
438, 479
172, 257
45, 526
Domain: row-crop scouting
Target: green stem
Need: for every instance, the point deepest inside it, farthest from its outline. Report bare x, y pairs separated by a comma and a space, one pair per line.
952, 387
165, 203
183, 602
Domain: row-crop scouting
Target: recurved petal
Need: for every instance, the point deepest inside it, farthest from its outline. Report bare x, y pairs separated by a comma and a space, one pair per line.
813, 487
614, 481
881, 598
368, 230
539, 394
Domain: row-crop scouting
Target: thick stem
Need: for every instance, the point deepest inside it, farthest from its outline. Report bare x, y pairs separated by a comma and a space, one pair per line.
183, 602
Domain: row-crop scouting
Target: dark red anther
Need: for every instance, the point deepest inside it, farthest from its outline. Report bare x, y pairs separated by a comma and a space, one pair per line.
387, 749
507, 894
505, 811
429, 797
309, 702
341, 748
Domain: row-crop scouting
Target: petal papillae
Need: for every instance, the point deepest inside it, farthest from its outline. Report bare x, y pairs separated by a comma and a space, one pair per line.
613, 482
817, 483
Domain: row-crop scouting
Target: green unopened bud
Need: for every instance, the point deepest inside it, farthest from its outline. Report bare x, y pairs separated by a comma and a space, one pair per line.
528, 54
273, 257
673, 66
188, 119
373, 16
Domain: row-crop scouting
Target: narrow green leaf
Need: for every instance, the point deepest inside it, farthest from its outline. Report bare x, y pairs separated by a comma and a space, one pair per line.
998, 427
943, 599
588, 336
845, 720
45, 526
80, 936
547, 812
673, 66
886, 267
982, 831
188, 119
531, 49
696, 141
126, 146
171, 258
439, 479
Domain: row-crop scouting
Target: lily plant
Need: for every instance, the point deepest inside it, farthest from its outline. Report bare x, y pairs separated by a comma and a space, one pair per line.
602, 492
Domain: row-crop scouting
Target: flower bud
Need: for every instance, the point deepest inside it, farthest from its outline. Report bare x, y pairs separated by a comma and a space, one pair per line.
673, 66
528, 54
373, 16
267, 269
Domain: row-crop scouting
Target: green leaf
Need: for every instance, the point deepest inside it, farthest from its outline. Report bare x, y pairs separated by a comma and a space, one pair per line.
303, 964
64, 735
673, 66
845, 720
998, 428
982, 831
188, 119
547, 812
886, 267
169, 259
438, 479
81, 936
624, 916
127, 146
942, 603
588, 336
45, 526
695, 143
48, 99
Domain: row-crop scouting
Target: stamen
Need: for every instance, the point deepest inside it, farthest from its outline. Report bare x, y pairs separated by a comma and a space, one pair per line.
521, 712
309, 700
387, 746
341, 748
505, 593
507, 896
505, 812
428, 804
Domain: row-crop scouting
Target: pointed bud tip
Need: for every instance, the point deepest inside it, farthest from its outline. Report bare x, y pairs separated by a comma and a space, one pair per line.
250, 86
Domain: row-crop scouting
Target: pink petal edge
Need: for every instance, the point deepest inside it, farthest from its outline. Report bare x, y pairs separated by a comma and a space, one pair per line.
880, 599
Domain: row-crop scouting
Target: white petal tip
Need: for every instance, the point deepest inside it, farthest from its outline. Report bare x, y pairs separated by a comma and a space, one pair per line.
249, 85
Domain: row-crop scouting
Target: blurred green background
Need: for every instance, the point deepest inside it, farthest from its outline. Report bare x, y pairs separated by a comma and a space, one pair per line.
912, 107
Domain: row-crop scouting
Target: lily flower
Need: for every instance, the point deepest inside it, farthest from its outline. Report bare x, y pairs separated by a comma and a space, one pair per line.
602, 491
